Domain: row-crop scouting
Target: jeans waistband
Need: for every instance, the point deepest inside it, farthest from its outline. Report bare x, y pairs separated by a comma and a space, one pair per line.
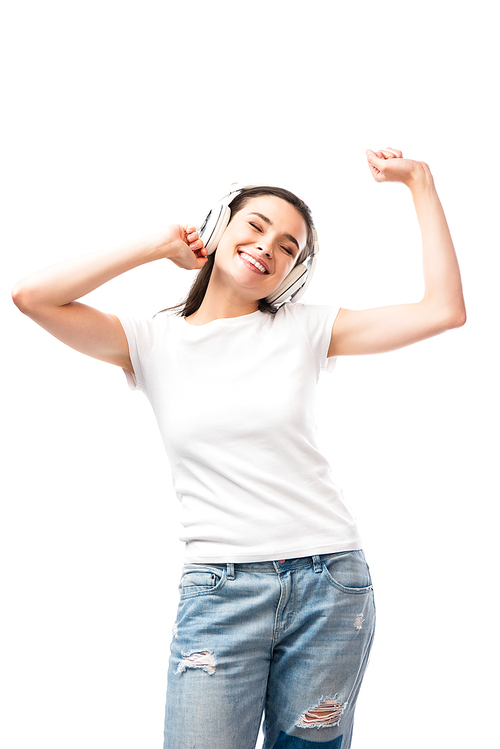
277, 566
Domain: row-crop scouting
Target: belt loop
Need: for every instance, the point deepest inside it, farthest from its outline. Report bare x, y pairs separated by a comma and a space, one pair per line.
317, 563
230, 571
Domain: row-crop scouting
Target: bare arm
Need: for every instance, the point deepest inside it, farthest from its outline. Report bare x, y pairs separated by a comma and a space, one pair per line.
442, 307
48, 296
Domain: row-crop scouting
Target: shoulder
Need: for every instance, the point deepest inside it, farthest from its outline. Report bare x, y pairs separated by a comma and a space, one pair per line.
313, 323
310, 315
143, 330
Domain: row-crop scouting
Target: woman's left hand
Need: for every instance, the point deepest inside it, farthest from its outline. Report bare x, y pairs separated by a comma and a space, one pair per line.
388, 165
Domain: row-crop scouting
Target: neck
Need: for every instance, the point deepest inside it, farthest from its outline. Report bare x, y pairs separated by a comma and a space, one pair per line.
219, 303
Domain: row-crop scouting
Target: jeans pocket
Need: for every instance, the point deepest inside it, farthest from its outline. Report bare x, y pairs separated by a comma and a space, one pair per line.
201, 580
348, 572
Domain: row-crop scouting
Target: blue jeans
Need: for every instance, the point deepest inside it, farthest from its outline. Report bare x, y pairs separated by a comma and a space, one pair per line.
287, 639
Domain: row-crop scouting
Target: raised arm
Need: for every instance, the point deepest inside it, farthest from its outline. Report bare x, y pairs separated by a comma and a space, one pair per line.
381, 329
49, 295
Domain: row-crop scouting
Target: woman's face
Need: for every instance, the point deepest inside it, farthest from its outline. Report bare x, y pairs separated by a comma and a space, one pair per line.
260, 246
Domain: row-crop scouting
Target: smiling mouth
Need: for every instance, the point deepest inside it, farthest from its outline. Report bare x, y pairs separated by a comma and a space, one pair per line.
259, 267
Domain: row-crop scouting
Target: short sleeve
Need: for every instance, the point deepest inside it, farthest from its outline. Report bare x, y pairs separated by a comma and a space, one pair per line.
139, 333
317, 321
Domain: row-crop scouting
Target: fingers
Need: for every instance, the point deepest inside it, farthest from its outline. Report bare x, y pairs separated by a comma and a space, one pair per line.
383, 155
376, 161
389, 153
193, 241
388, 165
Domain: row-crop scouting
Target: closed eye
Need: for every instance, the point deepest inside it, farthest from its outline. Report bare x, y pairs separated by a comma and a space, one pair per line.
258, 228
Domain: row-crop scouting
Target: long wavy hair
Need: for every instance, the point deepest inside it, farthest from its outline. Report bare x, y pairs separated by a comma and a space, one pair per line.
199, 287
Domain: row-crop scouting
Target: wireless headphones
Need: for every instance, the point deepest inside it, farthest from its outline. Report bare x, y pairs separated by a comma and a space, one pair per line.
296, 282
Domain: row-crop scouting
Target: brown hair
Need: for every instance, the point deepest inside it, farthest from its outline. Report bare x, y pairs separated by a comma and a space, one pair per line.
199, 287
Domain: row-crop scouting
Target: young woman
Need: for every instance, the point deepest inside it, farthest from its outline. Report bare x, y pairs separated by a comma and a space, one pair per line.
276, 614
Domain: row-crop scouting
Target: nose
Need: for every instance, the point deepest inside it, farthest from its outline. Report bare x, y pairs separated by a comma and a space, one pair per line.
265, 248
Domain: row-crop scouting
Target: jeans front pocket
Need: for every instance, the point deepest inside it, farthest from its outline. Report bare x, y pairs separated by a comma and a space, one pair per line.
348, 572
201, 580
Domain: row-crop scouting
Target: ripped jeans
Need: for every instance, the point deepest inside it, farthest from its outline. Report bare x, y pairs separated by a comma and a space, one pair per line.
289, 640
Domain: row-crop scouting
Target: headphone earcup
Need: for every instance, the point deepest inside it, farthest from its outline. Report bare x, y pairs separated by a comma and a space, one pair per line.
290, 285
297, 281
214, 226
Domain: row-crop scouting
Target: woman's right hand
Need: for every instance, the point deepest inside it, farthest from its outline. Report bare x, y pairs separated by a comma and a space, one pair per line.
184, 247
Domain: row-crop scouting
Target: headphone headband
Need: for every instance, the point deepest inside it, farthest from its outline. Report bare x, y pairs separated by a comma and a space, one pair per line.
214, 226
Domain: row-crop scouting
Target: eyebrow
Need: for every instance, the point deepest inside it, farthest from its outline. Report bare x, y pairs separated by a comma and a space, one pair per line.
268, 221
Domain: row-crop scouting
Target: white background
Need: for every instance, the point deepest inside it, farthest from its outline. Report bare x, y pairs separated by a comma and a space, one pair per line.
120, 117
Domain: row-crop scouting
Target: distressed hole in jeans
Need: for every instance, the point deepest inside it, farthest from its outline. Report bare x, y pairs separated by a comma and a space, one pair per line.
204, 659
325, 714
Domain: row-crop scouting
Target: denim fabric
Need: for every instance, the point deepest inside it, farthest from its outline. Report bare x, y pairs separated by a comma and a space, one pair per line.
289, 640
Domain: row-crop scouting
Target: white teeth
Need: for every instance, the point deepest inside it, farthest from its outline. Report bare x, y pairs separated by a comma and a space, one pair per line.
255, 262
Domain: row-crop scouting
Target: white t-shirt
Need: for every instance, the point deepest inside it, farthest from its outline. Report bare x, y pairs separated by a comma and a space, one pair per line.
235, 404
